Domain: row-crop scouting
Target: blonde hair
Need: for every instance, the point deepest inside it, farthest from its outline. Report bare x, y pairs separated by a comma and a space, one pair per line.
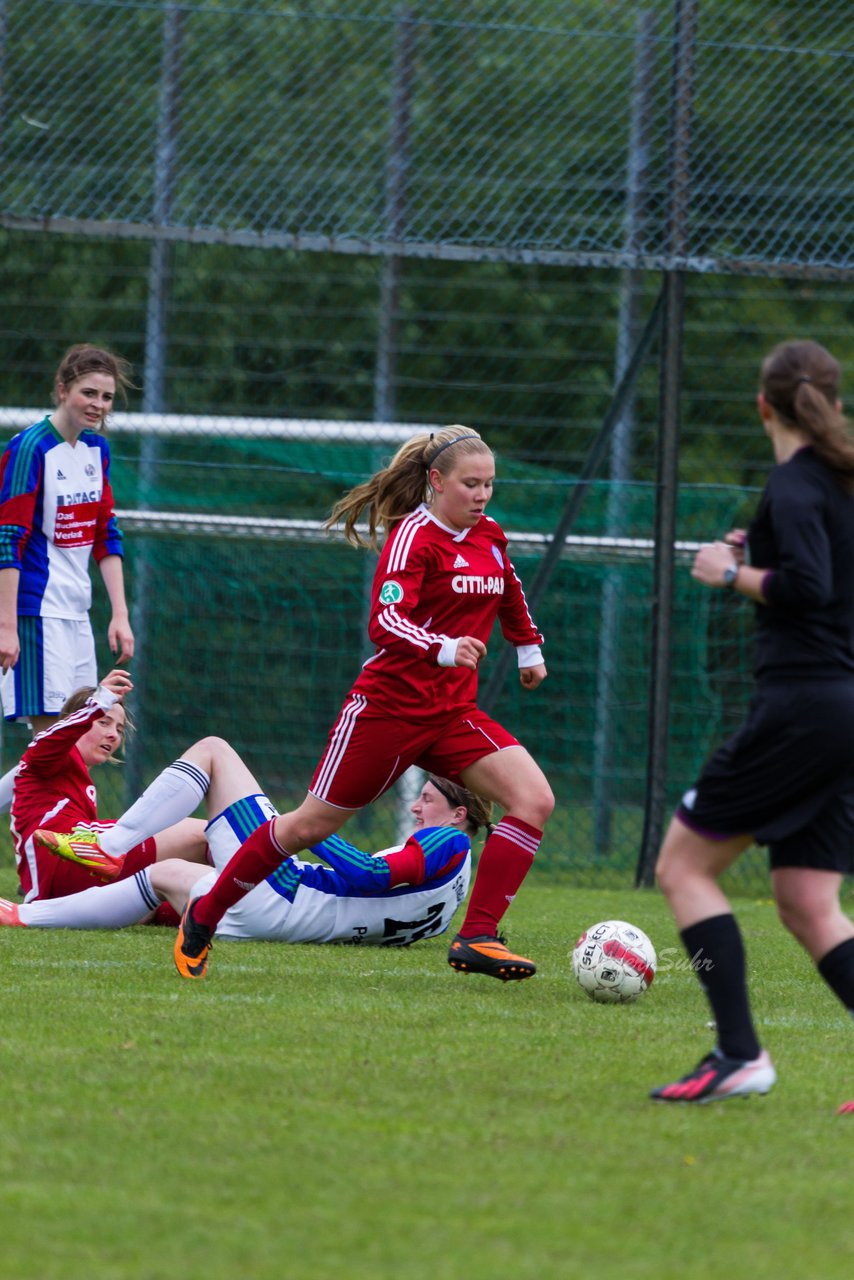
398, 488
800, 381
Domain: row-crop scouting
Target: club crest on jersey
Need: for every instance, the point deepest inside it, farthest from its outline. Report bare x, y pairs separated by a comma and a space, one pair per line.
498, 558
391, 592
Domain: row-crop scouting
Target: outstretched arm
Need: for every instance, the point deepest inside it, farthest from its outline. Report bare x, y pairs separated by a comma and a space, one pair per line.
431, 853
48, 753
362, 871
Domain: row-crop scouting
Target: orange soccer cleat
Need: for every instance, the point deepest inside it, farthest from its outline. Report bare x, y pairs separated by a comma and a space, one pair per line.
490, 955
192, 945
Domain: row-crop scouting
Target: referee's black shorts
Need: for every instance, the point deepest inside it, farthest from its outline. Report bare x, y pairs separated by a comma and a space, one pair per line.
786, 777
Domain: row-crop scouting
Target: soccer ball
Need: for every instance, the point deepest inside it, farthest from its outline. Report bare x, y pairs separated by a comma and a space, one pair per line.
614, 962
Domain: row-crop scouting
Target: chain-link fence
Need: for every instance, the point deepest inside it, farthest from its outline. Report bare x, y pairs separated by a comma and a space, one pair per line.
534, 131
321, 216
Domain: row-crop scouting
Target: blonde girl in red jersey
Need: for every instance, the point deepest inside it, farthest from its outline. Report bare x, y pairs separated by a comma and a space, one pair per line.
443, 578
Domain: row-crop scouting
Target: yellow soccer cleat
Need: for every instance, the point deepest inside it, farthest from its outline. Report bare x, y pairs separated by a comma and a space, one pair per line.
81, 846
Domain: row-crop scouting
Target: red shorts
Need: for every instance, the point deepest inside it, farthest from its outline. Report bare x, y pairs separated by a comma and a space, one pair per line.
56, 877
368, 750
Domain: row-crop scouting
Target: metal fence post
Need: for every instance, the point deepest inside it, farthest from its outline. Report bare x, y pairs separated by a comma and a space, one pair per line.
396, 174
667, 462
154, 370
621, 444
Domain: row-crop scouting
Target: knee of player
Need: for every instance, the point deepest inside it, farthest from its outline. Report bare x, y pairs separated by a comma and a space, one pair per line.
210, 751
793, 917
539, 804
297, 831
547, 801
163, 877
667, 874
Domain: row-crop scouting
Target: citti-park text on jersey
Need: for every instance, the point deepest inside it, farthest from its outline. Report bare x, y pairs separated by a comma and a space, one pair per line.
475, 584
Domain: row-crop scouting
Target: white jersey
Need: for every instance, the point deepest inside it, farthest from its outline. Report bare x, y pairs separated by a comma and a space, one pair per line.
306, 902
56, 511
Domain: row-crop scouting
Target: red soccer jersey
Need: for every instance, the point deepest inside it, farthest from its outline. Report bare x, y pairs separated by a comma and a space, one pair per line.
433, 584
53, 789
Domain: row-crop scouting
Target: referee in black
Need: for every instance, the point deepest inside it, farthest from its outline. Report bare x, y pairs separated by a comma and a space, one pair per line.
786, 778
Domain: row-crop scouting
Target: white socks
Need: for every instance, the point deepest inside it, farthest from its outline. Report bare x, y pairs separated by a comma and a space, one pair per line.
174, 794
7, 786
109, 906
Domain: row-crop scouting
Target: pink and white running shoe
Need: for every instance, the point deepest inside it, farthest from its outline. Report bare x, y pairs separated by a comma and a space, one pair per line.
718, 1077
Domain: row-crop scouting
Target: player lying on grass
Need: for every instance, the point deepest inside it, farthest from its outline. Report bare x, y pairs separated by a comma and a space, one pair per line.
392, 898
54, 787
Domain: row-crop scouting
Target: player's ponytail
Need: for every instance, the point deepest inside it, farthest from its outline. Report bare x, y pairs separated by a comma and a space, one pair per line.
800, 381
398, 488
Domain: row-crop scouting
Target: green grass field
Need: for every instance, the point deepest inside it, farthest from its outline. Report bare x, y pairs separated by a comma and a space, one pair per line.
309, 1113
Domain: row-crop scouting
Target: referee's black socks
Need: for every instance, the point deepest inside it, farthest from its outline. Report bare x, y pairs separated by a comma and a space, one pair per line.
837, 969
716, 950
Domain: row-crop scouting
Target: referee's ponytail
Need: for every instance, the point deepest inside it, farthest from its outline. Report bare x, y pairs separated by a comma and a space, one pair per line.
800, 381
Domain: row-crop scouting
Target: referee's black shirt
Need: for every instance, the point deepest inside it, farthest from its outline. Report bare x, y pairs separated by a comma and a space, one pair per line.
803, 533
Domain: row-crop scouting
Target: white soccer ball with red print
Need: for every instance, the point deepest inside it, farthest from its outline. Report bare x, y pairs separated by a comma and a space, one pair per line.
614, 962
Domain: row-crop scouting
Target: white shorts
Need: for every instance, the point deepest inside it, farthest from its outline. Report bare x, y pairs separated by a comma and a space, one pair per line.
57, 658
312, 904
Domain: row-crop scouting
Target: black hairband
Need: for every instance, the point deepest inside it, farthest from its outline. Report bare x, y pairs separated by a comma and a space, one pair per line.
447, 445
441, 788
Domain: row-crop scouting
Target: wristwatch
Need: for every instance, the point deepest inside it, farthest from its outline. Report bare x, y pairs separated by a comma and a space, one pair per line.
730, 574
